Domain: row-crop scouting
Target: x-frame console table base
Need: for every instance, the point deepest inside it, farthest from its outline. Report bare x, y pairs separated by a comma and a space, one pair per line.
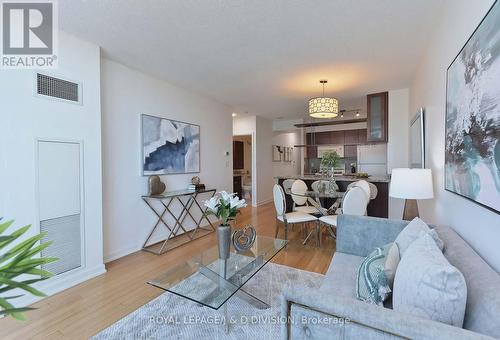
177, 233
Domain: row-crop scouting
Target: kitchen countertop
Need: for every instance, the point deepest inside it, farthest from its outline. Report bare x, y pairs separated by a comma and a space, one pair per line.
374, 179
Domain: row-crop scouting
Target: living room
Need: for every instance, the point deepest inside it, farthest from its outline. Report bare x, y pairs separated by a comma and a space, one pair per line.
352, 119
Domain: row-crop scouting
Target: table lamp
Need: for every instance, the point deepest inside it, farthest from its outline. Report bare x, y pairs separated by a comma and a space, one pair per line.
411, 185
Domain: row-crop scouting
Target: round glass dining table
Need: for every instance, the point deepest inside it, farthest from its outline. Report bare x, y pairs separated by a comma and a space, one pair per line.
316, 197
317, 194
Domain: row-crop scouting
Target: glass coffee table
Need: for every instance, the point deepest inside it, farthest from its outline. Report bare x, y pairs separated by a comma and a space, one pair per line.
209, 281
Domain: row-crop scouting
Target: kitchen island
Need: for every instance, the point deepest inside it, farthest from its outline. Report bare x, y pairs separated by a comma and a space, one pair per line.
378, 207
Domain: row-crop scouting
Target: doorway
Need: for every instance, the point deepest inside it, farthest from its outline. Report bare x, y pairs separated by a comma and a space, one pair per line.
242, 167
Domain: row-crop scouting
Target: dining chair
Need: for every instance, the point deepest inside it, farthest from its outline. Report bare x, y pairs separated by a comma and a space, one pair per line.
354, 203
300, 200
291, 218
370, 190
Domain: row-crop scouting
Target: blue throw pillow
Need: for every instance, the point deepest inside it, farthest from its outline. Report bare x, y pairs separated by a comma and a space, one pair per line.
371, 282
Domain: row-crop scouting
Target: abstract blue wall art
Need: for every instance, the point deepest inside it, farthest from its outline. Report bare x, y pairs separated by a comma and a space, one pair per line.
169, 146
472, 149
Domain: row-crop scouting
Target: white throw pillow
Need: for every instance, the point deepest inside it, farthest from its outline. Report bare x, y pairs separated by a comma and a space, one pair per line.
411, 232
406, 237
428, 286
391, 263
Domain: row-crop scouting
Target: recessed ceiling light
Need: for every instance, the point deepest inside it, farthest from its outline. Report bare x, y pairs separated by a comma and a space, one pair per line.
357, 114
234, 114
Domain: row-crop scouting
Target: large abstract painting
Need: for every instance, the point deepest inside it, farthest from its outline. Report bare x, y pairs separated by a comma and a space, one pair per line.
169, 146
472, 151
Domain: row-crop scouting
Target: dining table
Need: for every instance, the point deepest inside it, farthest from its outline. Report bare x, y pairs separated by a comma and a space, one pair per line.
317, 198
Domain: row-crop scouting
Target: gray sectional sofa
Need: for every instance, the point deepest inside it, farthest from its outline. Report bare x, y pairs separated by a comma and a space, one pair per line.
333, 312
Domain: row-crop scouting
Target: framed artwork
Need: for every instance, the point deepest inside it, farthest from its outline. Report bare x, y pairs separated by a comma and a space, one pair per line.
277, 153
169, 146
417, 140
472, 148
288, 153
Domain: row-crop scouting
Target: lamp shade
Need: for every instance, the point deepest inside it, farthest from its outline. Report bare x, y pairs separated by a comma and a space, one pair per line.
323, 107
411, 183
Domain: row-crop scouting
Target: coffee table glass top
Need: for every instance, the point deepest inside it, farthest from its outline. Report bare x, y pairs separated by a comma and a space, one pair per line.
207, 280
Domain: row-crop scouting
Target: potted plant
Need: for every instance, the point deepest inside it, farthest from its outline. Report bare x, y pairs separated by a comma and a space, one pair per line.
16, 262
330, 160
225, 206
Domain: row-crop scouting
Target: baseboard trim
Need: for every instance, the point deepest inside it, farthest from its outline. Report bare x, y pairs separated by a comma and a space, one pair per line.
115, 255
121, 253
57, 285
264, 202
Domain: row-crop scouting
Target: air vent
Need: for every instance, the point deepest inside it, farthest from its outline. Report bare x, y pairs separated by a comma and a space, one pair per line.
58, 88
64, 232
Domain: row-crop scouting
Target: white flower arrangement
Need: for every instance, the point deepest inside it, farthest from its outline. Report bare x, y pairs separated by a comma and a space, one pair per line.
225, 206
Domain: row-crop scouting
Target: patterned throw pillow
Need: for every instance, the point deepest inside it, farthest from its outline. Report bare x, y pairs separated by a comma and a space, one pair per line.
371, 281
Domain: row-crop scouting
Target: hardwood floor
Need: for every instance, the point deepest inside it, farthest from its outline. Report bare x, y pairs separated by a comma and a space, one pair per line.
84, 310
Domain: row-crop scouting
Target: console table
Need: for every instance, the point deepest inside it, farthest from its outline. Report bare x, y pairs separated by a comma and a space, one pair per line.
177, 232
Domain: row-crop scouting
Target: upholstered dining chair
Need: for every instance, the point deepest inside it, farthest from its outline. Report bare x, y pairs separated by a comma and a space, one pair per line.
291, 218
300, 200
370, 188
354, 203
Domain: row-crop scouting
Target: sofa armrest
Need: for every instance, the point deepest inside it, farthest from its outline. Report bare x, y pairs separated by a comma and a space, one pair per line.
304, 314
358, 235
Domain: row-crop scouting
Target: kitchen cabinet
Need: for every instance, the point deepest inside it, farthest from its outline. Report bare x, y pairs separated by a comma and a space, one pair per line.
238, 155
312, 152
325, 138
377, 114
362, 133
351, 137
319, 138
337, 137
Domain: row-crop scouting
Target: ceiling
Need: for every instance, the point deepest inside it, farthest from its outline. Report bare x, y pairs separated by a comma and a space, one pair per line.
262, 56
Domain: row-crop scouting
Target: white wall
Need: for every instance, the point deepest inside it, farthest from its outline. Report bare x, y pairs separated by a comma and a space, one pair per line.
478, 226
126, 94
398, 140
264, 167
23, 119
288, 139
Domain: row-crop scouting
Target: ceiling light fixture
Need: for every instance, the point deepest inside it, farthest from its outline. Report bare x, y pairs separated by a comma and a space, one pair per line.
234, 114
323, 107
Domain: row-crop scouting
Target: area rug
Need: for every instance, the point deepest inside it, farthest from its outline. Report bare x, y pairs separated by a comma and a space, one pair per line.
172, 317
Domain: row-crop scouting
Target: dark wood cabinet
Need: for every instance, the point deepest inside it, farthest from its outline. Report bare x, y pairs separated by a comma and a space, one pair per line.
318, 138
351, 137
237, 185
362, 133
323, 138
312, 152
337, 137
238, 155
377, 115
